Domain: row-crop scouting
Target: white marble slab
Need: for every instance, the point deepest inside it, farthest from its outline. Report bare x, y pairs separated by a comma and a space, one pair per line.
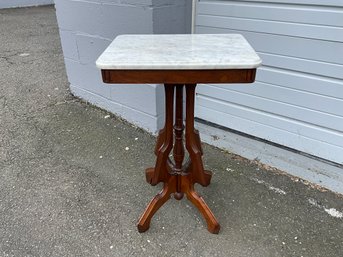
174, 52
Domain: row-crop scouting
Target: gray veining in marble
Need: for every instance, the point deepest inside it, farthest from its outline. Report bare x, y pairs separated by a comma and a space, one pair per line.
174, 52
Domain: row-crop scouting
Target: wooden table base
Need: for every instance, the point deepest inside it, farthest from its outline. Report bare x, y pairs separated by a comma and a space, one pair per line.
178, 176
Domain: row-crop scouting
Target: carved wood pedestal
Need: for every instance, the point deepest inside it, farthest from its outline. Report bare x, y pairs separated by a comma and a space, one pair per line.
180, 62
178, 176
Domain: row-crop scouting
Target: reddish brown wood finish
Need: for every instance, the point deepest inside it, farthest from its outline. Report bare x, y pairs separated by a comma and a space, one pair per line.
178, 150
179, 76
178, 178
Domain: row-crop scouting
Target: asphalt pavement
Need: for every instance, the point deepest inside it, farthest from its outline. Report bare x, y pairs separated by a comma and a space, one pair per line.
72, 177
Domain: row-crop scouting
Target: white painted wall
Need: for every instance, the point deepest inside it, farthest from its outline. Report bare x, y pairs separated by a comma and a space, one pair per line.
23, 3
87, 28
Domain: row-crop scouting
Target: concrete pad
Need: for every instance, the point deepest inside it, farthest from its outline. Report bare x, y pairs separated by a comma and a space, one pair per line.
72, 178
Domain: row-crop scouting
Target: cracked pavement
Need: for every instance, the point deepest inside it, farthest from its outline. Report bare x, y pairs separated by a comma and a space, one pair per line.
72, 181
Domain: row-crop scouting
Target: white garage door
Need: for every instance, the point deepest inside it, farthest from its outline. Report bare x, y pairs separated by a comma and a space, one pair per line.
297, 99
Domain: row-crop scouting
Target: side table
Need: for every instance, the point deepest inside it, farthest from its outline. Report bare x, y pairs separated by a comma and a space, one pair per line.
180, 62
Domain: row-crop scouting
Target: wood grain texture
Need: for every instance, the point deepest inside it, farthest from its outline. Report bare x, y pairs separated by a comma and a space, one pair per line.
179, 76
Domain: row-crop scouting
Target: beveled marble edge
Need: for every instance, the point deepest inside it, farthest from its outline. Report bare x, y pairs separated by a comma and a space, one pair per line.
178, 67
107, 60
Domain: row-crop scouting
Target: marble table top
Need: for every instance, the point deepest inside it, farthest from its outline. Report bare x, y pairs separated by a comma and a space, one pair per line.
179, 52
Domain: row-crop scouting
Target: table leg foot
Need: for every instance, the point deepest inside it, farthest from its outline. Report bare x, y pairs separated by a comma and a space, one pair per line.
149, 174
212, 223
178, 195
156, 203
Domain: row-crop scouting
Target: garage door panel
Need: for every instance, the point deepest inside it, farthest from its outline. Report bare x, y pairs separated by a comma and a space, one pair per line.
328, 105
273, 12
300, 81
295, 63
297, 80
316, 68
293, 140
298, 127
312, 3
299, 89
274, 27
299, 47
306, 115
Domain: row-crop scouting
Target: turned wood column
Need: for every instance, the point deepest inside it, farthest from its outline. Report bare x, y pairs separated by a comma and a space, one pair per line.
178, 151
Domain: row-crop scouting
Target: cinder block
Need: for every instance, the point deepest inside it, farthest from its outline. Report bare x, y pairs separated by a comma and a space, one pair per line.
79, 16
134, 116
68, 41
171, 19
87, 77
141, 119
129, 2
97, 100
137, 96
90, 47
125, 19
87, 28
159, 3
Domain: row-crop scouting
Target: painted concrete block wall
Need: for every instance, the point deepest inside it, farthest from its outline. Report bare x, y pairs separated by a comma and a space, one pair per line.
88, 27
23, 3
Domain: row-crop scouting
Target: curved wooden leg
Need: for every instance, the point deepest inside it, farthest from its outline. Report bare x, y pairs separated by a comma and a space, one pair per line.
196, 168
193, 143
149, 174
165, 142
198, 140
156, 203
178, 177
212, 223
160, 172
161, 138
